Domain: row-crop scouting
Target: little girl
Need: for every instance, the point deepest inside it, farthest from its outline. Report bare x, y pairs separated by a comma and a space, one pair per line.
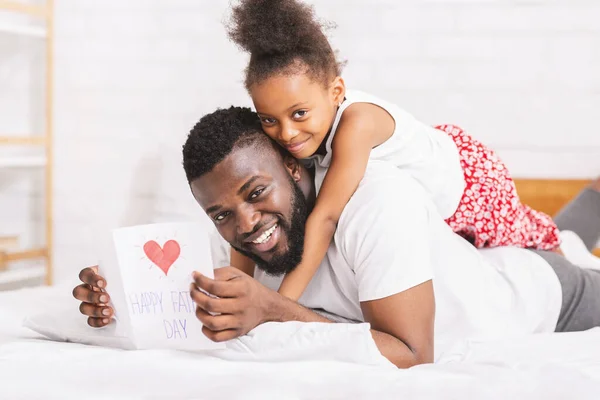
294, 81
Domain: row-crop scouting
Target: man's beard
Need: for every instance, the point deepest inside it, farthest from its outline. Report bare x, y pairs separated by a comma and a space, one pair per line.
284, 263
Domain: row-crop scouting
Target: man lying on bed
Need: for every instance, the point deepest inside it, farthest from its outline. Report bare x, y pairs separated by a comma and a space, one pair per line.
393, 262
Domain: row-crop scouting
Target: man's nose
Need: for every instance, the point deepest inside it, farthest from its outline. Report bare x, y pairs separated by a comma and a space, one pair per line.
247, 220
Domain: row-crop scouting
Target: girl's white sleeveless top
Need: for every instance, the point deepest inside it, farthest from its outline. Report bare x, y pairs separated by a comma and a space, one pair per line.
428, 154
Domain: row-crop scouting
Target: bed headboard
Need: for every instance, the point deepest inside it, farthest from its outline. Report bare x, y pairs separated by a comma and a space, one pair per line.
549, 195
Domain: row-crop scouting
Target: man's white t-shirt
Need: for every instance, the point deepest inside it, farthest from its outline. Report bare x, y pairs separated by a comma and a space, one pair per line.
391, 238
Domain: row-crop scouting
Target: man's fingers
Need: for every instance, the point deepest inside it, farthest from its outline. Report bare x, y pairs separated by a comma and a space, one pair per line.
218, 287
98, 322
218, 328
90, 276
221, 336
214, 305
93, 310
226, 273
217, 323
85, 294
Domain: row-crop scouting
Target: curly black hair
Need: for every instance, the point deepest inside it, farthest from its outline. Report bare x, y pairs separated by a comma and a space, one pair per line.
282, 36
216, 135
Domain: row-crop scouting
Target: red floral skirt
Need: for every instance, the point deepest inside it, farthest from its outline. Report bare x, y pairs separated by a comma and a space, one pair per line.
490, 213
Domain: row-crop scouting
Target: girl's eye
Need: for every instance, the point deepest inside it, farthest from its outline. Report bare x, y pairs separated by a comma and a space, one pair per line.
268, 121
256, 193
220, 217
300, 113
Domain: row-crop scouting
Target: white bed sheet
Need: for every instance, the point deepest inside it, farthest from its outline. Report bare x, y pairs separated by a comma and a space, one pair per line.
553, 366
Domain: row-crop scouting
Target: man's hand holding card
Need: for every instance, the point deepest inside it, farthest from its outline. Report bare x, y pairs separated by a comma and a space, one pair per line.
147, 270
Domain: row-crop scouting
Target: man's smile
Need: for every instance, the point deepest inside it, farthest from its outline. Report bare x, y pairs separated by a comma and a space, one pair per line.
265, 239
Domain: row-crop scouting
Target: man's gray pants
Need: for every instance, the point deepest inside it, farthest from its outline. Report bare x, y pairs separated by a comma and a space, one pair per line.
580, 287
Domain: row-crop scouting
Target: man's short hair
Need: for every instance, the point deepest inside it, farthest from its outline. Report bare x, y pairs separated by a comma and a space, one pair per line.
215, 136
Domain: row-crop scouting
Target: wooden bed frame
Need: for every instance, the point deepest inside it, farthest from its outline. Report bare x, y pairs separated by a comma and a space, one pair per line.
550, 195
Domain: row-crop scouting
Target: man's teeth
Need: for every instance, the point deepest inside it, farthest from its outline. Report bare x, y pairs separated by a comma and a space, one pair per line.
265, 236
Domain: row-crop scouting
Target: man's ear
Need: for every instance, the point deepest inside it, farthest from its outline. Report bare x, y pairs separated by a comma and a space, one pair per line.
293, 167
338, 90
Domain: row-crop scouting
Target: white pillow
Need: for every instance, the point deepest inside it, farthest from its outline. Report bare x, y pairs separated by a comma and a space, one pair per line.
273, 341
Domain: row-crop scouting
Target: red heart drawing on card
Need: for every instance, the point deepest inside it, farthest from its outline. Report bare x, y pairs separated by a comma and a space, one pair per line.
163, 257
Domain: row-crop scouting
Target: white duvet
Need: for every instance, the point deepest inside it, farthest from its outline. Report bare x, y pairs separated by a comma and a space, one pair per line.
284, 361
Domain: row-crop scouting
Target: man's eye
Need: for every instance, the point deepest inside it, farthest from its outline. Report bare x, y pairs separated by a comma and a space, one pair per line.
220, 217
300, 114
256, 193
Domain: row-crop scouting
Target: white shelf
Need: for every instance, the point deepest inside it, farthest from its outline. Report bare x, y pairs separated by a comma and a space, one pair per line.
23, 30
22, 162
20, 274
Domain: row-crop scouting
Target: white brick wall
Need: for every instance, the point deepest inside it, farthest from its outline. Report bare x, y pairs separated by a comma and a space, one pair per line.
21, 106
133, 76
